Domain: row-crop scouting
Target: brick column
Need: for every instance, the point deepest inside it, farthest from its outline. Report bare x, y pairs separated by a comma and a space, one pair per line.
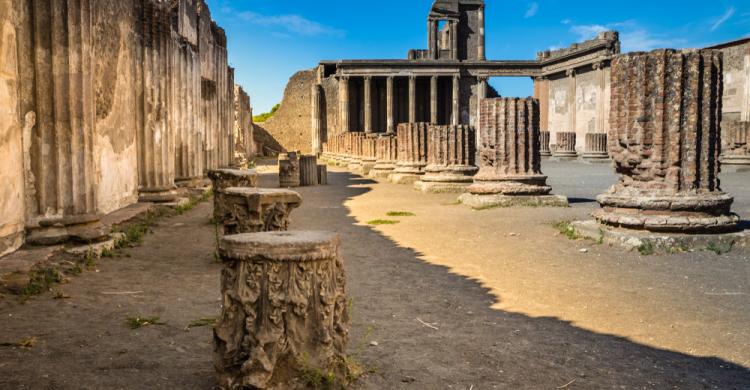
344, 104
666, 115
450, 159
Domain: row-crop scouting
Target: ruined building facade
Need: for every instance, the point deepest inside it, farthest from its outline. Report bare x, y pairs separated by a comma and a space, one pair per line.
105, 102
444, 83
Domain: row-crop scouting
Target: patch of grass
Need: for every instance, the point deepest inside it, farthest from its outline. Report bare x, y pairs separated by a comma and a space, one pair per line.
567, 229
720, 247
183, 208
400, 214
646, 248
202, 322
40, 281
382, 222
106, 252
600, 239
139, 322
315, 378
26, 343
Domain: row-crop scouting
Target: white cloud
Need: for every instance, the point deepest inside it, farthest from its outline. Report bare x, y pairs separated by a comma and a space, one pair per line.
730, 12
532, 10
292, 23
566, 21
633, 37
588, 31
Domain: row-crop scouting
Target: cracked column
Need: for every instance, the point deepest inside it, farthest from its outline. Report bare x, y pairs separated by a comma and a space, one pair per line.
412, 153
62, 179
509, 161
665, 137
156, 148
450, 159
386, 153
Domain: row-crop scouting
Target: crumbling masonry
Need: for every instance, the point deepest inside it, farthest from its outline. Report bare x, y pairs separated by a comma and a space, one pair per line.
107, 102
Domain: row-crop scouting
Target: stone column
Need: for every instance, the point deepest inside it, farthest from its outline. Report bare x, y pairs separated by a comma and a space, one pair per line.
432, 38
572, 106
317, 138
664, 140
412, 153
156, 149
284, 309
566, 145
368, 104
289, 170
412, 99
481, 94
596, 147
601, 114
480, 45
434, 99
225, 178
509, 161
344, 103
454, 39
308, 171
544, 140
456, 111
252, 210
389, 106
386, 153
450, 159
63, 191
541, 92
369, 155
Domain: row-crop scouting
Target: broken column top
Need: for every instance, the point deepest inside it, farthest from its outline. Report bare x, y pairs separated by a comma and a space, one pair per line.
299, 246
274, 194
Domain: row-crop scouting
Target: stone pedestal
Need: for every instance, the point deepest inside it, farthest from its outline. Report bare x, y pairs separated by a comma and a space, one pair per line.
738, 150
596, 147
322, 174
544, 141
354, 156
509, 161
566, 146
308, 171
250, 210
412, 153
386, 151
284, 309
225, 178
450, 159
665, 141
289, 170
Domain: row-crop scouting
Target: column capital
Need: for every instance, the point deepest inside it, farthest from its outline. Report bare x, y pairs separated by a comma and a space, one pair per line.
482, 79
598, 65
456, 77
344, 78
412, 77
367, 78
390, 78
570, 72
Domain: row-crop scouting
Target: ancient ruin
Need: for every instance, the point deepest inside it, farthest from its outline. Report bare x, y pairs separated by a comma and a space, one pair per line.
665, 142
450, 159
412, 153
225, 178
509, 161
251, 210
110, 102
284, 309
308, 170
289, 171
386, 149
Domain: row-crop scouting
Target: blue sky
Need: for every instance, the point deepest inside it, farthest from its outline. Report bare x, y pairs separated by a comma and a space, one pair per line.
269, 40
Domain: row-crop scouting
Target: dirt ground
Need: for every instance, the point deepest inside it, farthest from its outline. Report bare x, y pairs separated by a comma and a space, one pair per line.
453, 298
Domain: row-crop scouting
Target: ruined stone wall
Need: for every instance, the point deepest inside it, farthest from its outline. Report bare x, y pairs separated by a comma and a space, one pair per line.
291, 125
244, 147
11, 135
736, 98
558, 116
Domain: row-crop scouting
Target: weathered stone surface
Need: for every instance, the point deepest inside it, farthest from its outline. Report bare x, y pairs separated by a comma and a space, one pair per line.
322, 174
544, 140
250, 210
450, 159
412, 153
284, 308
596, 147
565, 146
665, 141
289, 170
386, 152
225, 178
509, 160
244, 147
308, 170
369, 154
738, 152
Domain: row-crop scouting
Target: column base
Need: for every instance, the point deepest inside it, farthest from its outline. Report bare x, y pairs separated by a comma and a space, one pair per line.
545, 153
565, 155
488, 201
513, 185
158, 195
404, 178
80, 228
736, 160
366, 166
595, 157
381, 170
11, 243
441, 187
192, 182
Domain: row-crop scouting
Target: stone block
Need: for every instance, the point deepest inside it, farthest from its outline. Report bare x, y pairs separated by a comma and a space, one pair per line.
289, 170
308, 172
249, 210
226, 178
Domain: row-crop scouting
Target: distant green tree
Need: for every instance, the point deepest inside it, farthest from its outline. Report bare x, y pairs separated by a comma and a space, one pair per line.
264, 116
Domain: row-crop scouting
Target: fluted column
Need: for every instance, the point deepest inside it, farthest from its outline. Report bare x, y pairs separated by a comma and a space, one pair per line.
571, 73
450, 159
316, 119
389, 106
434, 99
344, 103
412, 99
412, 152
664, 140
368, 104
432, 35
481, 94
455, 115
454, 39
155, 137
